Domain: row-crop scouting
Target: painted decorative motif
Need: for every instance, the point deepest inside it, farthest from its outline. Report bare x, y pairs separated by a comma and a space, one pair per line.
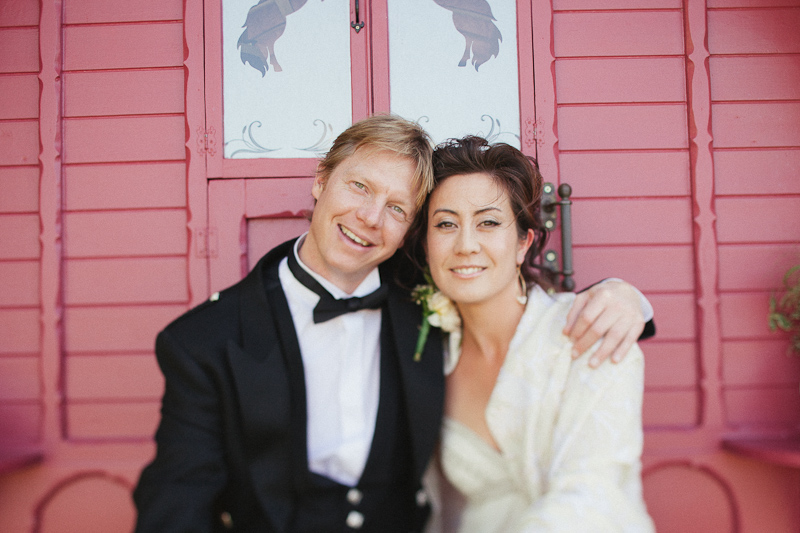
251, 145
427, 84
265, 23
279, 114
474, 20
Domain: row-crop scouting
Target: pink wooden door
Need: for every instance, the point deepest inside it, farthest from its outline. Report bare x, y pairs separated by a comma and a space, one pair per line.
254, 204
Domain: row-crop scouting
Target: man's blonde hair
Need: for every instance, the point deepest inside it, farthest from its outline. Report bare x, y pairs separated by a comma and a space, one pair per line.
393, 134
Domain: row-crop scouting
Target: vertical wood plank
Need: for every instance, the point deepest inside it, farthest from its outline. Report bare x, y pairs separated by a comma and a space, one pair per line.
702, 172
194, 65
50, 201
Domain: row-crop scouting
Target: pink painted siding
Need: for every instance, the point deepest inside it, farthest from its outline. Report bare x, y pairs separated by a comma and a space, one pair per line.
756, 127
631, 105
677, 123
125, 270
20, 412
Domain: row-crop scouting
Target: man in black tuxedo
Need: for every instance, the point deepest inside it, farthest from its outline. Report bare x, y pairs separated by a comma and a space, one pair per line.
293, 402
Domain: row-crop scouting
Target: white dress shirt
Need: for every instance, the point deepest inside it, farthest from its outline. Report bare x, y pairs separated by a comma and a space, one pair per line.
341, 362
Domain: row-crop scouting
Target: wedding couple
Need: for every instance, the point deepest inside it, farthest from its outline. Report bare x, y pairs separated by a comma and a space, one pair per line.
295, 401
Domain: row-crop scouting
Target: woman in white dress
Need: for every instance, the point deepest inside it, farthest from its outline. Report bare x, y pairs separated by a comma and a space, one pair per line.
533, 440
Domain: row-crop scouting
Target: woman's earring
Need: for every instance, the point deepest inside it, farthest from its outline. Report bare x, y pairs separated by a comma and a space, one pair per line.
523, 297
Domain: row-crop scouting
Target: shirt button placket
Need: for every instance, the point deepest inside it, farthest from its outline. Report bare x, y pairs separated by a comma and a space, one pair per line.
354, 496
354, 520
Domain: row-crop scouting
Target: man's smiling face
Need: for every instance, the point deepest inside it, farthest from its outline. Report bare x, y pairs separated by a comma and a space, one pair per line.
363, 212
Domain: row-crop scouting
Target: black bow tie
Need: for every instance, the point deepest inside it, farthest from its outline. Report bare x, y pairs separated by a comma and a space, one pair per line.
328, 306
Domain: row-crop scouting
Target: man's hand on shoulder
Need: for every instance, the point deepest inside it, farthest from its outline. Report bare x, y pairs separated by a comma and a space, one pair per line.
610, 310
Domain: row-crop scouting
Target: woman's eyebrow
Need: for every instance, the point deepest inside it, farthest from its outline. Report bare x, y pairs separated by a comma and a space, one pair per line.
476, 212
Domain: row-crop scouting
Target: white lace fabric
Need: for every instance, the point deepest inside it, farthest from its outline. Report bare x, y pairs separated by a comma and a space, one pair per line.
570, 439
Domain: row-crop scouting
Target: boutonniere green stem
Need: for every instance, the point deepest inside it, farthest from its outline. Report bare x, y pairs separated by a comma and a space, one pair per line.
437, 310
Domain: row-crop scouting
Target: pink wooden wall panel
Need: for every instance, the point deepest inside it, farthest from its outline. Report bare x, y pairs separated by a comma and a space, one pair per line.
139, 280
94, 11
22, 231
123, 46
20, 143
622, 222
564, 5
759, 363
757, 171
125, 233
755, 123
755, 266
670, 364
19, 329
20, 251
125, 276
25, 13
227, 222
126, 92
21, 46
754, 31
99, 140
622, 127
124, 377
265, 234
21, 423
621, 174
660, 79
130, 420
645, 33
100, 329
763, 124
750, 3
120, 186
25, 382
293, 197
778, 219
20, 186
676, 316
670, 409
774, 406
754, 78
19, 283
744, 315
244, 224
651, 268
26, 103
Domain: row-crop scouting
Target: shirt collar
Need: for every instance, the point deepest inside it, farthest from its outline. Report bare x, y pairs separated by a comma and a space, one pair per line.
368, 285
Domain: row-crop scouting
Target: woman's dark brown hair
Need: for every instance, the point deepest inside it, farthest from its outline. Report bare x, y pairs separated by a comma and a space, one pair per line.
515, 172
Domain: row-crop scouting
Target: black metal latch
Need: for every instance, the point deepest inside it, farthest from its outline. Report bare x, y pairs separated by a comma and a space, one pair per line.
550, 220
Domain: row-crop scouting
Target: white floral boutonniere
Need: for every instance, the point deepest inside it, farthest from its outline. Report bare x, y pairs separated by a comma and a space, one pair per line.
437, 310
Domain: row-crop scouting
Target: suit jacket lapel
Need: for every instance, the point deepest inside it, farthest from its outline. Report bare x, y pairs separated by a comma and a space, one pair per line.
268, 374
423, 380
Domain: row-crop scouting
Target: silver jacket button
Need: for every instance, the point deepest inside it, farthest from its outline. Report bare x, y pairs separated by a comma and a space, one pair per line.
354, 496
355, 520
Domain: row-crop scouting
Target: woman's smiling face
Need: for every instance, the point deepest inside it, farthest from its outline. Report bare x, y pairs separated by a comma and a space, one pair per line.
472, 244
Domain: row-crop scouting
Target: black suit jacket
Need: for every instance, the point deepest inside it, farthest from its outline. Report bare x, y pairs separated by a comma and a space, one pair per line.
232, 437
